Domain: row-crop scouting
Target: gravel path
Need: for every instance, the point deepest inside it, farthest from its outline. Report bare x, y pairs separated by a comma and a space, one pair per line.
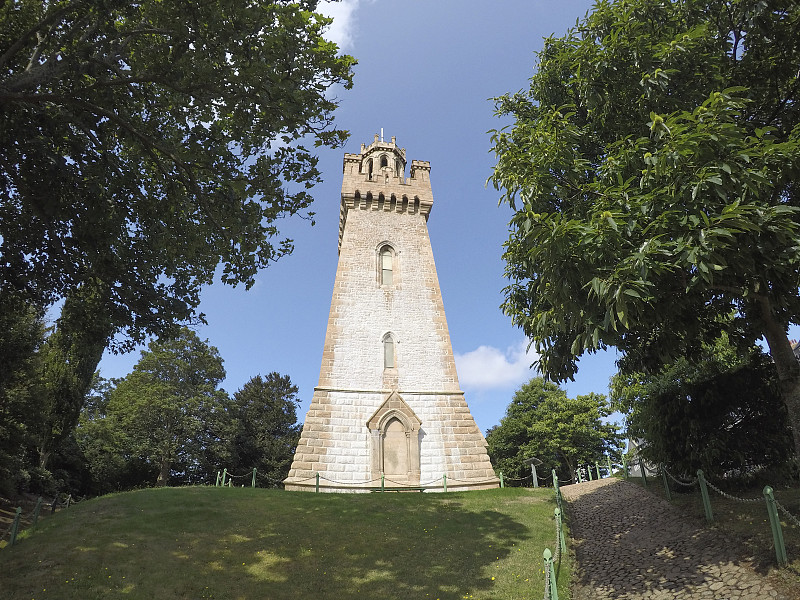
633, 545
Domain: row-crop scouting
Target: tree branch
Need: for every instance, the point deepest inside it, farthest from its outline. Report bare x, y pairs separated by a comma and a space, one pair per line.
22, 40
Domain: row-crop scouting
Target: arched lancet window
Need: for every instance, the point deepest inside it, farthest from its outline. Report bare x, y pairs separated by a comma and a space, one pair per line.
388, 352
369, 168
384, 161
397, 168
387, 267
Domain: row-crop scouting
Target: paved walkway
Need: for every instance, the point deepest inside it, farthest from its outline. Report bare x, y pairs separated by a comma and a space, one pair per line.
633, 545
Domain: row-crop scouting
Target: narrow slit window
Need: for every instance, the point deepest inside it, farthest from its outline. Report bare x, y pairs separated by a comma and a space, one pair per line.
388, 352
386, 266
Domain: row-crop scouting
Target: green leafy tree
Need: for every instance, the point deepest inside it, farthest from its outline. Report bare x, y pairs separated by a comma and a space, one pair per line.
169, 410
652, 167
112, 462
68, 359
22, 332
265, 428
562, 432
145, 145
722, 414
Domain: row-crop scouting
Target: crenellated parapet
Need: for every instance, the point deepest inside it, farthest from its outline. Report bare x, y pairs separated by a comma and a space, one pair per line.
375, 179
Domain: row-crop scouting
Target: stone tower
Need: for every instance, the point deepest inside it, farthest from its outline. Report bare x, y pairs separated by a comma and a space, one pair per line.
388, 401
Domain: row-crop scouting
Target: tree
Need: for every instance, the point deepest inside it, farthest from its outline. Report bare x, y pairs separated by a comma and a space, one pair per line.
652, 167
542, 422
22, 332
722, 414
68, 359
147, 143
265, 429
169, 410
112, 462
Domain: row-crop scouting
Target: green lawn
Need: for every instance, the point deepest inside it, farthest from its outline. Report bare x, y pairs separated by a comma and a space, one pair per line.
224, 543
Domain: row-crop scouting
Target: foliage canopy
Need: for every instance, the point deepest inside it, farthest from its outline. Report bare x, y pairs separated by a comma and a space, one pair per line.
265, 430
562, 432
146, 143
169, 410
722, 414
652, 165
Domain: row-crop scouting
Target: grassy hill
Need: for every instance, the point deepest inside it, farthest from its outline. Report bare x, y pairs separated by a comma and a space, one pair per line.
223, 543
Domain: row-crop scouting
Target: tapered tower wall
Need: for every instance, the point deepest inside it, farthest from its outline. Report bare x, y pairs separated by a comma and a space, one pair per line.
388, 402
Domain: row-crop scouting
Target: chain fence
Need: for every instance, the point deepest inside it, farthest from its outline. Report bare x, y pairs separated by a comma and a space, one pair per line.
768, 497
788, 515
31, 518
552, 560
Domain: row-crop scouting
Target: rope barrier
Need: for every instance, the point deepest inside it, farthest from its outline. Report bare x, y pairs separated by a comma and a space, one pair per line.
731, 497
436, 483
305, 479
349, 482
678, 481
786, 512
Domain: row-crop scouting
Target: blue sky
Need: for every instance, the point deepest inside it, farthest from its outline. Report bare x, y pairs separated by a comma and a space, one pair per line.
426, 73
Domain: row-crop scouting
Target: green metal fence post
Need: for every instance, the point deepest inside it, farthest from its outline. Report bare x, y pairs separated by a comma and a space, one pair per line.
559, 523
666, 483
317, 487
556, 488
224, 476
580, 476
501, 480
608, 459
254, 477
36, 511
69, 499
589, 471
704, 494
15, 526
550, 574
219, 475
775, 525
444, 481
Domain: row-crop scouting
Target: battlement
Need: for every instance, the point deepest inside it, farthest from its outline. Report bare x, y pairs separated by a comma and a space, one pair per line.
374, 179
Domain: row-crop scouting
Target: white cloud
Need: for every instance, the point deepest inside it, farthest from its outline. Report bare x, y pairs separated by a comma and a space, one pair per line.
490, 368
343, 27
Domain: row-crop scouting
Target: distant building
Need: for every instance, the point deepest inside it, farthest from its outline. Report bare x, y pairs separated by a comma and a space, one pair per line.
388, 404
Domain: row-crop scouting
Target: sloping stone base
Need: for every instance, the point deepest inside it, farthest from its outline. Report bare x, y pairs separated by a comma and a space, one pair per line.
337, 443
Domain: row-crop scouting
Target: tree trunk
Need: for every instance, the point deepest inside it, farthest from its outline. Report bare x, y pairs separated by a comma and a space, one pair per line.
163, 474
788, 369
44, 457
571, 468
